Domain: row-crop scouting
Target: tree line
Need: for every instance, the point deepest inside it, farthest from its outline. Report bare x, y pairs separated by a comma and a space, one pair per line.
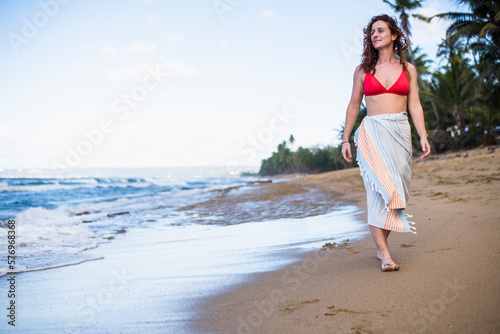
461, 97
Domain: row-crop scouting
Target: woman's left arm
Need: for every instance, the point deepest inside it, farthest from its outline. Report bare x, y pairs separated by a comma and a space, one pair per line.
416, 111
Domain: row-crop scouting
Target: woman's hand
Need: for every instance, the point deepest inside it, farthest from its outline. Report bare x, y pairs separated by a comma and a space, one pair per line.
426, 147
346, 151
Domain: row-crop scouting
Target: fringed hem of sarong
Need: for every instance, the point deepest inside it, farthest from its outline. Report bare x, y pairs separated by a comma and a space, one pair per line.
402, 216
408, 225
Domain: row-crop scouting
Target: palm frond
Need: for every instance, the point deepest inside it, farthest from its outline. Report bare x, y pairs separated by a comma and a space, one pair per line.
389, 3
421, 17
453, 16
487, 27
464, 28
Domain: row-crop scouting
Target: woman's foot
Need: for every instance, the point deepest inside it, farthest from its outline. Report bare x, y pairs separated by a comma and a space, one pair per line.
387, 262
389, 267
380, 238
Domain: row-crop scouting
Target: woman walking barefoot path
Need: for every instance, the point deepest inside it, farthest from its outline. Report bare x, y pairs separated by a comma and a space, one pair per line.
383, 139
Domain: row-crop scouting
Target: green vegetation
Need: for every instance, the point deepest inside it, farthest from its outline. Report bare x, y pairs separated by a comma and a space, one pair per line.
309, 160
461, 98
467, 86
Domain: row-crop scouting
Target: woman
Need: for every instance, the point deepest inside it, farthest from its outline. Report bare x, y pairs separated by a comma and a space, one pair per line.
383, 139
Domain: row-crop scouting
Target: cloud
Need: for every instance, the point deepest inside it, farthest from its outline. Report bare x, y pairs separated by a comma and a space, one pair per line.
174, 38
108, 50
153, 18
139, 71
138, 47
429, 33
6, 132
179, 68
224, 44
266, 14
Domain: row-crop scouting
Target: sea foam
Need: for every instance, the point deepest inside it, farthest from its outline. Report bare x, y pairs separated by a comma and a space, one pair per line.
48, 237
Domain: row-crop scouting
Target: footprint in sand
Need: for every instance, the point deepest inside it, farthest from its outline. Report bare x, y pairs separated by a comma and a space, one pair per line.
298, 305
335, 311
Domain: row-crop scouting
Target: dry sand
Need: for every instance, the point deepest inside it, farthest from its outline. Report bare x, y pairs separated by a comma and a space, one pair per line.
449, 281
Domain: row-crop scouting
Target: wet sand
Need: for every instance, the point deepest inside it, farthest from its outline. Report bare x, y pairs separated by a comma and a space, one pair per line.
448, 281
151, 278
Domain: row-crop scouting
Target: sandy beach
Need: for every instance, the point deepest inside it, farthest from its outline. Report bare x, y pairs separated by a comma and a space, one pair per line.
249, 259
160, 254
448, 281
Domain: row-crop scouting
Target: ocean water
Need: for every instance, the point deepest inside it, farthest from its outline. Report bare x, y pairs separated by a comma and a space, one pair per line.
60, 215
91, 244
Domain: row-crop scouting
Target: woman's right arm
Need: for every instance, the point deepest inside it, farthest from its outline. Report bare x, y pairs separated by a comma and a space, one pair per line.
352, 112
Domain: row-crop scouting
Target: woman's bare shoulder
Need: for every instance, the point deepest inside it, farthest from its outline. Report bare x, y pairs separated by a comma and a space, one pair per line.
359, 72
411, 68
359, 68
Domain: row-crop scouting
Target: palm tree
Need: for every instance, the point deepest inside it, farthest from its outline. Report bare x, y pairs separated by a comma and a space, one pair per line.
404, 7
455, 88
480, 28
482, 22
422, 62
340, 132
449, 48
487, 65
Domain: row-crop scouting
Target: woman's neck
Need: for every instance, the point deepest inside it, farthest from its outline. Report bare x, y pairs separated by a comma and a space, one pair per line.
386, 56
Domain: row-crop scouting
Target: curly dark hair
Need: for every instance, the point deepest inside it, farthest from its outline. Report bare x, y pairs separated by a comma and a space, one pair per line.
370, 54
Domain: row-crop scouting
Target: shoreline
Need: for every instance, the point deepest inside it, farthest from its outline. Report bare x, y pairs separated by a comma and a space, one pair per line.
448, 281
151, 277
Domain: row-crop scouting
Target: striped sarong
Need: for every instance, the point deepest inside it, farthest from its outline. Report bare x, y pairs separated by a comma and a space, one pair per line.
384, 155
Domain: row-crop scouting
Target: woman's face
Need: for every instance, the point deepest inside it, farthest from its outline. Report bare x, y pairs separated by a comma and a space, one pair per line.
381, 35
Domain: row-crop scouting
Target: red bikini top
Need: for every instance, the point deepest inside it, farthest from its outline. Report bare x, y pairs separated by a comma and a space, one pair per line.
372, 86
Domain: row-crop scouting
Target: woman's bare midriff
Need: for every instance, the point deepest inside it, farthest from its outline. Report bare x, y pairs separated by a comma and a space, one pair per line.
385, 104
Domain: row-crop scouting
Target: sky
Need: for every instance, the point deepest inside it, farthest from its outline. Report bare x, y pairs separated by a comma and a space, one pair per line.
161, 83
